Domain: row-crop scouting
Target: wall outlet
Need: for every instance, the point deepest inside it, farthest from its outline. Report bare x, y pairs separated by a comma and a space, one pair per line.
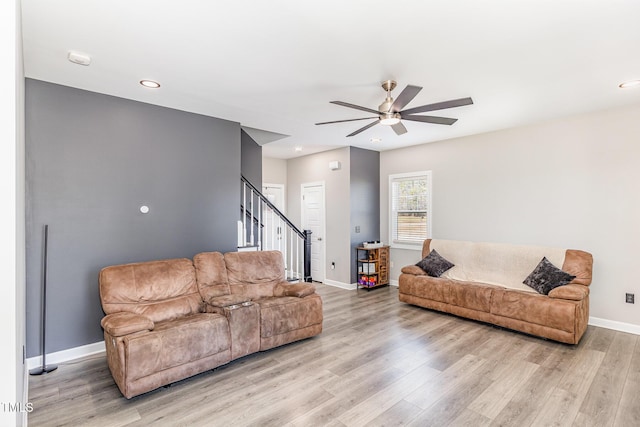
333, 265
357, 228
630, 298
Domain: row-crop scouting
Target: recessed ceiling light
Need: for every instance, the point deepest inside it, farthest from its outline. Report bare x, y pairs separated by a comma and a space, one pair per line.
630, 83
298, 149
376, 139
150, 83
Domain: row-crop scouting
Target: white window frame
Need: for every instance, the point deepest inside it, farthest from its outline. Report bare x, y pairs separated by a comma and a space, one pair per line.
394, 243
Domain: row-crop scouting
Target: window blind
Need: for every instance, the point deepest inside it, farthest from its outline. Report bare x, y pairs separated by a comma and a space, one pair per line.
410, 208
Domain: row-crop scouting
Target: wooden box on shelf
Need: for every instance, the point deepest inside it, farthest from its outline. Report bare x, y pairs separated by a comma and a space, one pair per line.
372, 264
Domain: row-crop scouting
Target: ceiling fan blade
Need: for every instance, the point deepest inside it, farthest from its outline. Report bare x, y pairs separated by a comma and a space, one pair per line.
348, 120
430, 119
405, 97
438, 106
362, 129
399, 128
357, 107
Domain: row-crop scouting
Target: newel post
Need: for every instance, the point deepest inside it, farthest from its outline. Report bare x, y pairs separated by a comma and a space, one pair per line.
307, 255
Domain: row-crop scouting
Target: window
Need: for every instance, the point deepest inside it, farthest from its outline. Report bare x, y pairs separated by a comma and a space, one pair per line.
410, 210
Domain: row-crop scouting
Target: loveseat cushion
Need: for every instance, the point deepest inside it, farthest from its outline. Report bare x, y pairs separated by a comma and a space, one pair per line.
211, 275
299, 290
254, 274
279, 315
125, 323
176, 342
160, 290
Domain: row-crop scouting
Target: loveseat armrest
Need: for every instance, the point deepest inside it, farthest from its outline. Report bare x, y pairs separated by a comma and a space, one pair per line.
125, 323
572, 292
299, 290
227, 300
414, 269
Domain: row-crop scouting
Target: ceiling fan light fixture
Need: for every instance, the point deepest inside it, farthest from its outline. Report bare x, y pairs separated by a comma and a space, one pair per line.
390, 119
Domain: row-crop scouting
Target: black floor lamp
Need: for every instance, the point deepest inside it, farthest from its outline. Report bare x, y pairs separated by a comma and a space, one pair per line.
44, 369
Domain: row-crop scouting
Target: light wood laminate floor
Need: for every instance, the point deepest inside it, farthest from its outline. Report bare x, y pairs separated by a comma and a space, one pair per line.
377, 362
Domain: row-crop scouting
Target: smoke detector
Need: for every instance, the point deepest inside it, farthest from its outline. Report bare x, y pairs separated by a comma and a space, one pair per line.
79, 58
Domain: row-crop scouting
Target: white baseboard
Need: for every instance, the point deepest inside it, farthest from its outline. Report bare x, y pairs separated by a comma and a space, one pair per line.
24, 420
393, 282
615, 325
66, 355
342, 285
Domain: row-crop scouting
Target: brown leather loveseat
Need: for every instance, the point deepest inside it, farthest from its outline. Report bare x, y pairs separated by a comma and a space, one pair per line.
486, 284
170, 319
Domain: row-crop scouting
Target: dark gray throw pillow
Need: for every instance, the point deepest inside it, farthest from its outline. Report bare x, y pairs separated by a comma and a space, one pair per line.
546, 277
434, 265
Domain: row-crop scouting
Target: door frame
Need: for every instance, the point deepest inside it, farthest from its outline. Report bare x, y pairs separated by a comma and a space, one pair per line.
323, 254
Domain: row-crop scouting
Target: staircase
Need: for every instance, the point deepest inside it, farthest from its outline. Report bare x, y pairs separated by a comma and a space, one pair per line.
263, 227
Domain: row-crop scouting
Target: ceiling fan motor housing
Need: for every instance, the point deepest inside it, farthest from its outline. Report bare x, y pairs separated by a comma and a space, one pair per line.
386, 105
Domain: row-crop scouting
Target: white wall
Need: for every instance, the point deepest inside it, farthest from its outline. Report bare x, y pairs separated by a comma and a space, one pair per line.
313, 168
12, 240
570, 183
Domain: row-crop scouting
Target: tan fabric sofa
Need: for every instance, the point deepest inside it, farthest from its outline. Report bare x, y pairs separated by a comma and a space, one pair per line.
486, 285
170, 319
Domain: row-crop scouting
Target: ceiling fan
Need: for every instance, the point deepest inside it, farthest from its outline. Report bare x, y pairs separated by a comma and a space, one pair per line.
390, 112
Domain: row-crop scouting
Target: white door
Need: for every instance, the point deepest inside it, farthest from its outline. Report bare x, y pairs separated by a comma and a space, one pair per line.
273, 226
275, 194
313, 218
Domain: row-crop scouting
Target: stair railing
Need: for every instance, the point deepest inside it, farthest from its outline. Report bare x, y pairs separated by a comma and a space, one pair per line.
263, 227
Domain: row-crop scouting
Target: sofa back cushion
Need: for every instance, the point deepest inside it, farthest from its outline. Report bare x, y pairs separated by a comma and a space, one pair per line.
254, 274
496, 263
160, 290
211, 275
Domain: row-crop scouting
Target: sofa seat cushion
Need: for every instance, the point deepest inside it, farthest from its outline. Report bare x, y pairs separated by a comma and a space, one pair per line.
424, 286
534, 308
175, 342
474, 296
279, 315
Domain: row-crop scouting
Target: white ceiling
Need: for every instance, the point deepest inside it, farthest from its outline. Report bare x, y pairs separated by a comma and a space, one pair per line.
275, 65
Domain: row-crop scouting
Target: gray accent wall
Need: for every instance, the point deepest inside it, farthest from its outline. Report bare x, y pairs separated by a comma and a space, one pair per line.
92, 161
251, 160
364, 200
